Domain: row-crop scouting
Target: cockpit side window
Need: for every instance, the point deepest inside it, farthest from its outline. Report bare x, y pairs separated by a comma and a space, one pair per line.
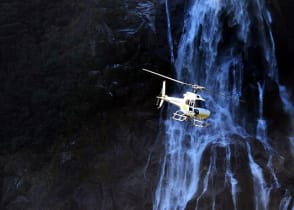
195, 103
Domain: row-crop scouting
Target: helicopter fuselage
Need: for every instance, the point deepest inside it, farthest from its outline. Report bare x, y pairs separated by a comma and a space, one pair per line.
192, 105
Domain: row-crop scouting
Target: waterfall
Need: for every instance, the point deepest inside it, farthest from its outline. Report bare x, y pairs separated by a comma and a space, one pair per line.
200, 166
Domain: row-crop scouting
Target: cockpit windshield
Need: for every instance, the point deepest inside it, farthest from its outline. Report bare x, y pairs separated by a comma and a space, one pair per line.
200, 104
196, 103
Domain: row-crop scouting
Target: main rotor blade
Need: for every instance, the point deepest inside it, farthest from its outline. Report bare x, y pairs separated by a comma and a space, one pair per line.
197, 87
161, 75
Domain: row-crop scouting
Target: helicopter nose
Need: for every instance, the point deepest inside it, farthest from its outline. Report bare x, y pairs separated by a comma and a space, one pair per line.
203, 114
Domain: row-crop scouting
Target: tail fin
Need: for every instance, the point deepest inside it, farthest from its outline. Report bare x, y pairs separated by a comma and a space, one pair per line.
160, 98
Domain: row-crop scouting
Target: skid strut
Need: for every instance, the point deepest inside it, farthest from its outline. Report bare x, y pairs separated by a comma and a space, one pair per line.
200, 123
179, 116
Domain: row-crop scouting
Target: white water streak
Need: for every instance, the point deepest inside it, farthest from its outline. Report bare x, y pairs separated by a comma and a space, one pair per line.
261, 131
261, 124
261, 190
210, 171
285, 202
169, 33
230, 177
269, 165
289, 109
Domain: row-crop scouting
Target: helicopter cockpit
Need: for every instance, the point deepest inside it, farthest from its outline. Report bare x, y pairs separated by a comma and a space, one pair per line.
196, 103
200, 104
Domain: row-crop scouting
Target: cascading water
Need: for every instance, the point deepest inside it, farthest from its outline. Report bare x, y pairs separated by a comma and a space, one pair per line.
200, 167
261, 123
289, 108
261, 191
261, 131
261, 135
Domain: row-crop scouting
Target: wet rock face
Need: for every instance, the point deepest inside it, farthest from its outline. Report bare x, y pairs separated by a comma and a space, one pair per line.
283, 33
59, 57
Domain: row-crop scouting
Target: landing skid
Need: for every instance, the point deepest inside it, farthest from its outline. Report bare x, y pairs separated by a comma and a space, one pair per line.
200, 123
179, 116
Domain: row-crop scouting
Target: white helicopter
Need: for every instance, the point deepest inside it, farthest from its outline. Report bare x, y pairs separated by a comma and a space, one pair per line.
191, 106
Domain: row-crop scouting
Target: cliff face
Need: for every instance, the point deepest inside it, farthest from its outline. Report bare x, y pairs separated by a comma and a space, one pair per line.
79, 129
283, 32
78, 122
62, 61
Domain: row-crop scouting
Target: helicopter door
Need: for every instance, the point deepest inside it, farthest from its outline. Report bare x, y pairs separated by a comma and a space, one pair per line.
192, 107
191, 104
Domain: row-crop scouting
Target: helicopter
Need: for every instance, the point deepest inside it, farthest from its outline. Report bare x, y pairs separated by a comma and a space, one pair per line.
191, 106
